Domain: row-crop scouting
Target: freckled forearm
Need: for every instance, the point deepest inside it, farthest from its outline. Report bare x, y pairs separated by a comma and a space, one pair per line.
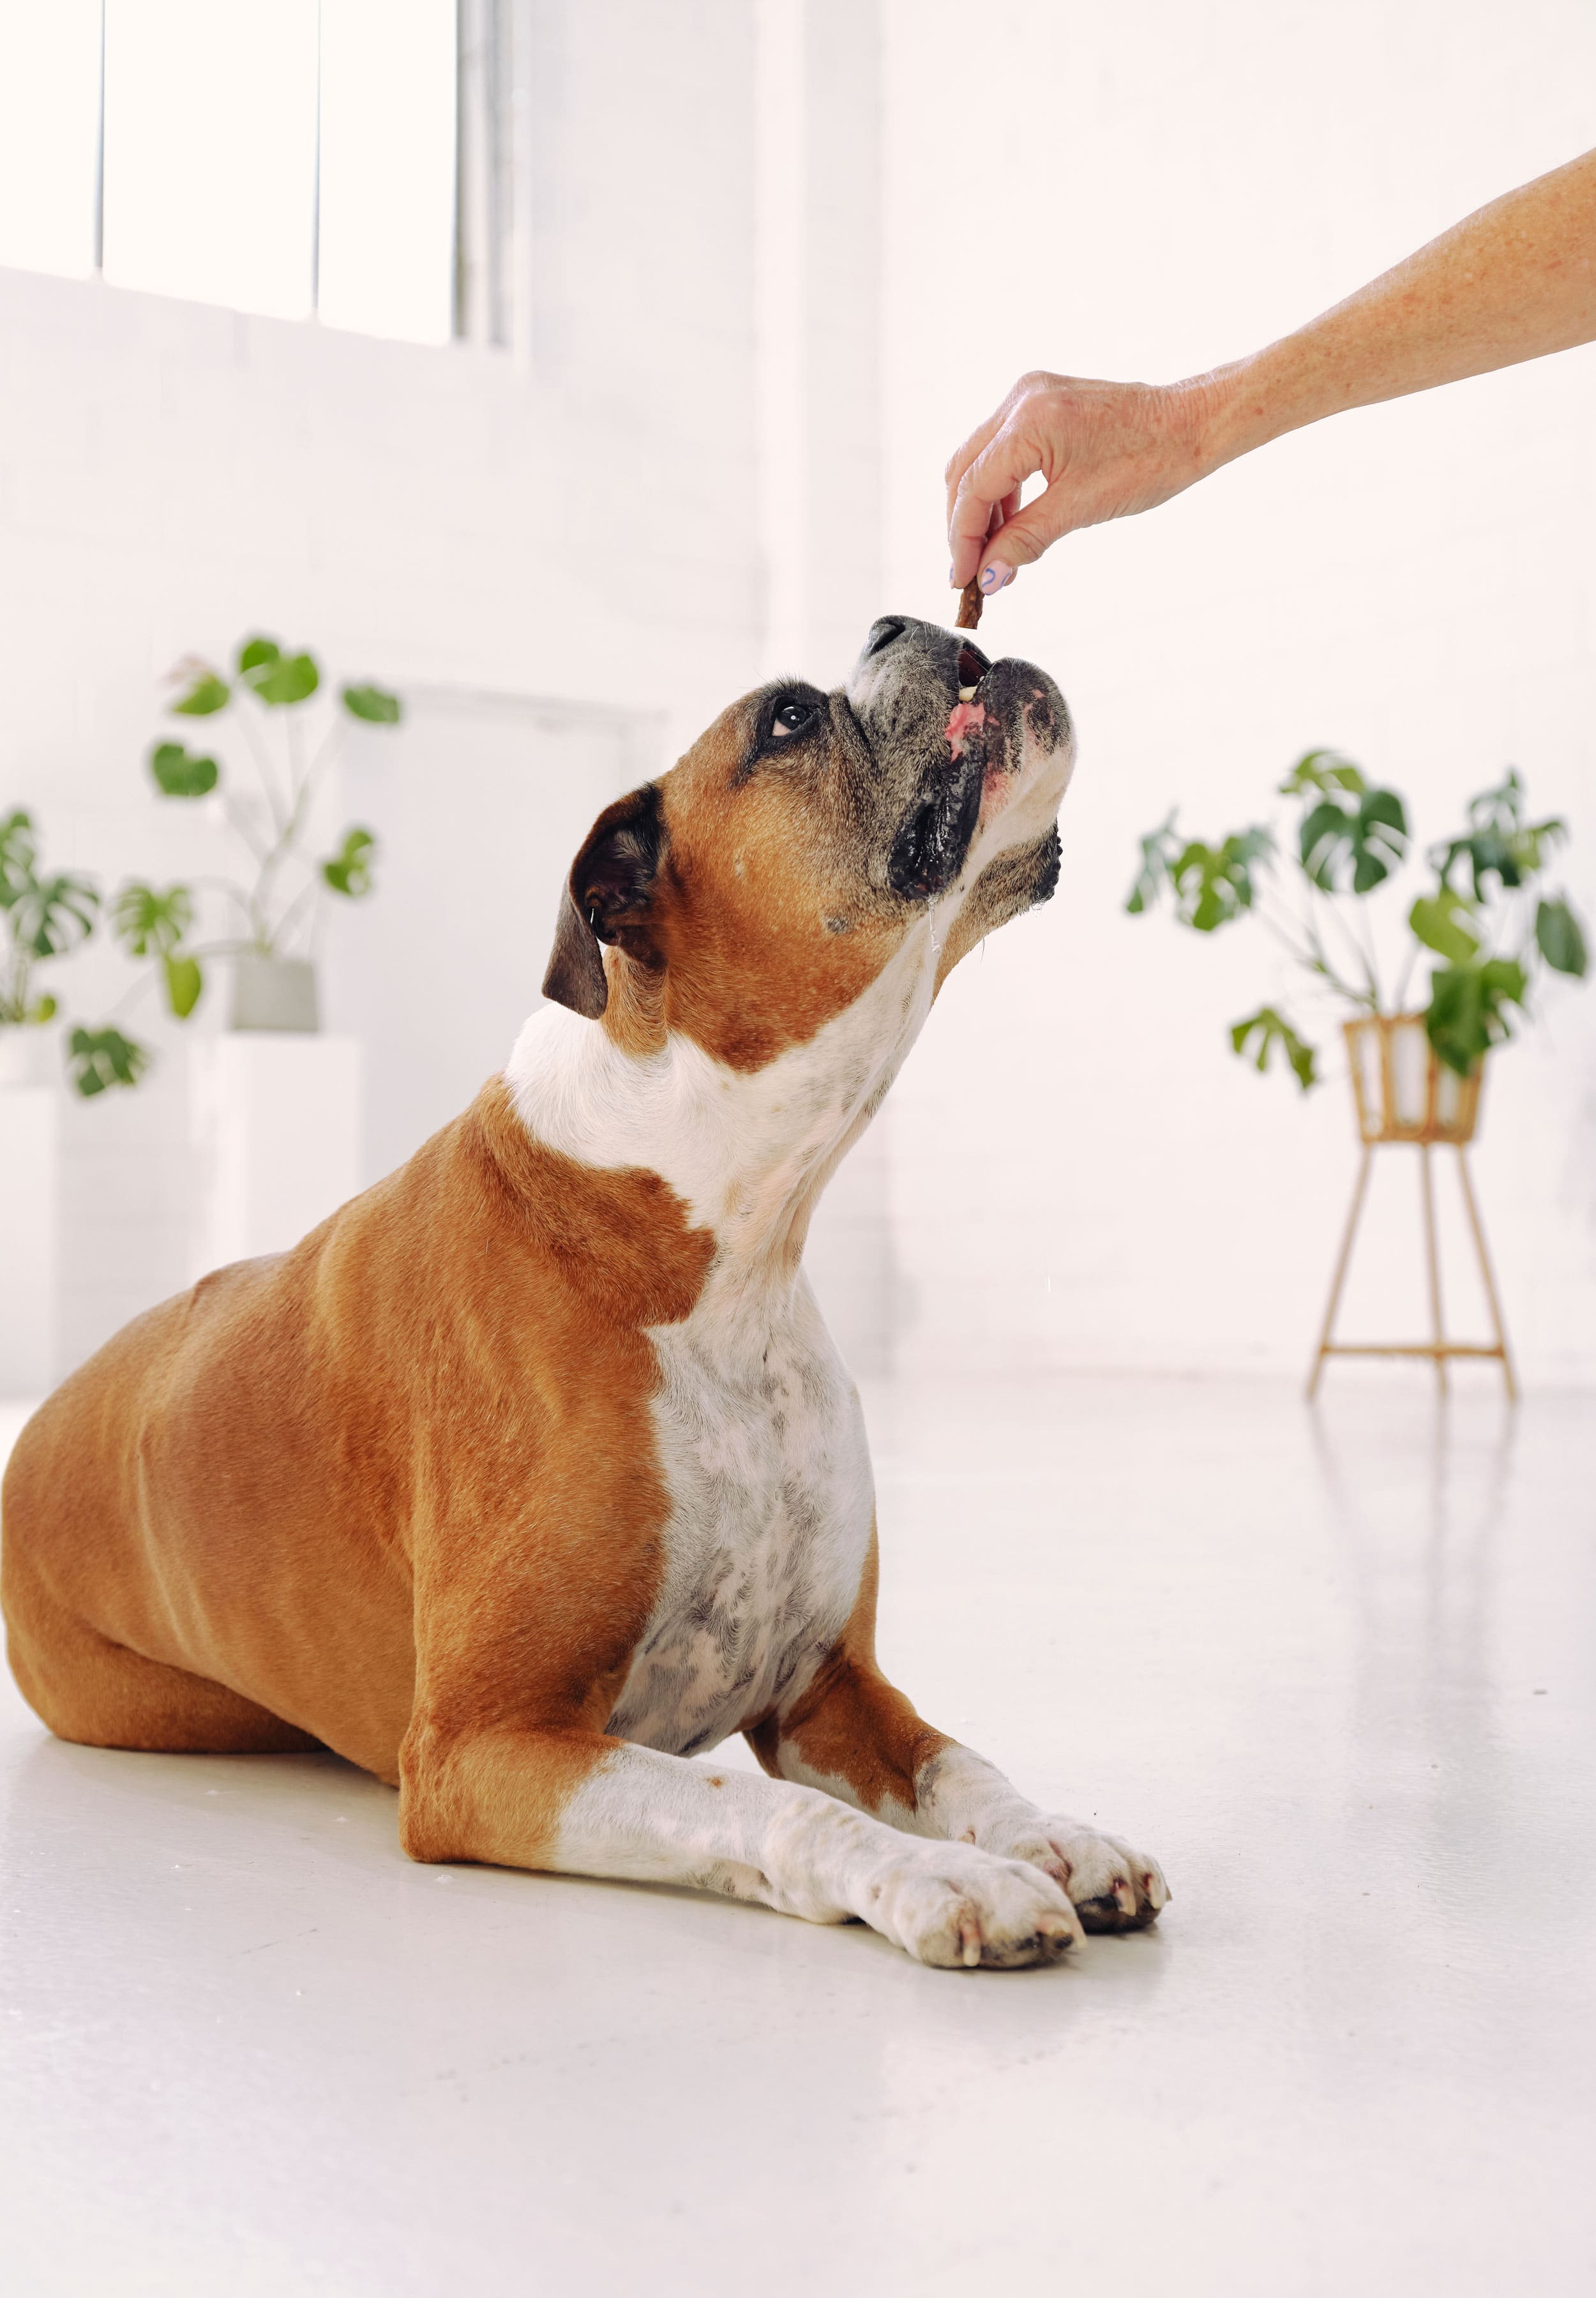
1513, 282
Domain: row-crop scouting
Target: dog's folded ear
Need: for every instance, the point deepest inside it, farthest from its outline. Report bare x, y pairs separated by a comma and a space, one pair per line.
605, 898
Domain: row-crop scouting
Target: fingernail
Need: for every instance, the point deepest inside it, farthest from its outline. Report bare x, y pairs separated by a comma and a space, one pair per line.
994, 576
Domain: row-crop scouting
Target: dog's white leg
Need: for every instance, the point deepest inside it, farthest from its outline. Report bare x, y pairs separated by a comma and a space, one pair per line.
580, 1803
855, 1736
960, 1794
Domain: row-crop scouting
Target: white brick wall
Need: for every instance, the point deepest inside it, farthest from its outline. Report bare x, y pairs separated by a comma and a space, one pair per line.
1082, 1174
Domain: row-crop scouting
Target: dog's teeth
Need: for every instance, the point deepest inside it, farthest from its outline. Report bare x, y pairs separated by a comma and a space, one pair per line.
966, 694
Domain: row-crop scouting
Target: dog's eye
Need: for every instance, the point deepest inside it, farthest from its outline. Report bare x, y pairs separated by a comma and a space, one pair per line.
792, 718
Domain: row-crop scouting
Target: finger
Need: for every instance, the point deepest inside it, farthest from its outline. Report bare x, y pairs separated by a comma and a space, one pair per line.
959, 462
957, 470
998, 472
1001, 516
1024, 537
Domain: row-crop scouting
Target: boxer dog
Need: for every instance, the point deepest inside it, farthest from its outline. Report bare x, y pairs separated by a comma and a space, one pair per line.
533, 1472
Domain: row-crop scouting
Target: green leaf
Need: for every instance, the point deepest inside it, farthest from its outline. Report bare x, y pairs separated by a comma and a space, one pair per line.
1467, 1013
257, 654
149, 923
41, 1010
1323, 771
18, 852
374, 704
1271, 1029
1379, 840
1560, 937
1437, 922
1214, 884
98, 1058
286, 680
184, 983
1156, 849
1488, 855
207, 694
1372, 836
183, 773
349, 870
1499, 843
53, 915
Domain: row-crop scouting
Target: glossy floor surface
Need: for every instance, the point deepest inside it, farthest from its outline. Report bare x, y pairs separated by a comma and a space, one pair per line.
1334, 1669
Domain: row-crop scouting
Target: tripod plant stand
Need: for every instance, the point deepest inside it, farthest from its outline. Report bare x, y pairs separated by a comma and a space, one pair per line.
1404, 1094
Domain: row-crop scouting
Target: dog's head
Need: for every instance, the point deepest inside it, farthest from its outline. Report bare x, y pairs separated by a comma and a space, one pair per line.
760, 887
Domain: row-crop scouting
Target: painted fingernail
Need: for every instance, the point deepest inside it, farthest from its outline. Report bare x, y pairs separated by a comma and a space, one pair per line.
953, 583
994, 576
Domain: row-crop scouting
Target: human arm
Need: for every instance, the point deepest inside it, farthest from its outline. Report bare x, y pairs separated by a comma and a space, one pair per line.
1514, 281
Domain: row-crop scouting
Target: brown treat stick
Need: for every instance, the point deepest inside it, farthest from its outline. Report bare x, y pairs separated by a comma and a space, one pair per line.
970, 606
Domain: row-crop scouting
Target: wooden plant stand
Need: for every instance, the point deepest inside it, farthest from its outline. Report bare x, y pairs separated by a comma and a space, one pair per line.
1404, 1094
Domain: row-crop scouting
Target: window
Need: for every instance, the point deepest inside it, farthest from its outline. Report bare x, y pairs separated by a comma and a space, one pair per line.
289, 160
387, 167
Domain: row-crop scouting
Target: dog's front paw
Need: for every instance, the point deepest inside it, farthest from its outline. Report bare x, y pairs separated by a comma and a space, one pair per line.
951, 1904
1112, 1888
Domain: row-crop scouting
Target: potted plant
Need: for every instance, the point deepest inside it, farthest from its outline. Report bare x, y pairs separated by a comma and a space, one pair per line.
266, 920
46, 918
1486, 923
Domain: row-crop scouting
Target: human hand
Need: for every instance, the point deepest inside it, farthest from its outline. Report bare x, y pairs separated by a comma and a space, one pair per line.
1105, 448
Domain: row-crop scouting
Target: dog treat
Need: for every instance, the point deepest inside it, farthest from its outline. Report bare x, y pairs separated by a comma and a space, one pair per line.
970, 606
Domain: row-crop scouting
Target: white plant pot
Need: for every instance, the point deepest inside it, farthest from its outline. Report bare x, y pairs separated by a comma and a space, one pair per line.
274, 992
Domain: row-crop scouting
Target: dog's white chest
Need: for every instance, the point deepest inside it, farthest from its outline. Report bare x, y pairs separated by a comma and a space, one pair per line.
768, 1471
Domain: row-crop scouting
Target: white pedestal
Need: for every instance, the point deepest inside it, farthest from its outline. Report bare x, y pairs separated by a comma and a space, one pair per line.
30, 1215
277, 1139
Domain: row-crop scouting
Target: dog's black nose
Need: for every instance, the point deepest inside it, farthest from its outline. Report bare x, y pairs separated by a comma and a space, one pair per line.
884, 635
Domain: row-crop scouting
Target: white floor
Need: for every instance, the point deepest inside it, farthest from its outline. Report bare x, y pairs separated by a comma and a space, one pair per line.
1337, 1671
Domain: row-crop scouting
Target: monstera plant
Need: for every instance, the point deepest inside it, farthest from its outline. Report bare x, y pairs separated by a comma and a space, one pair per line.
1485, 922
48, 915
265, 917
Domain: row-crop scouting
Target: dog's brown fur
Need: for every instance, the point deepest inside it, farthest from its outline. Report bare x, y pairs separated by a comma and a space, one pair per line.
393, 1493
255, 1519
397, 1493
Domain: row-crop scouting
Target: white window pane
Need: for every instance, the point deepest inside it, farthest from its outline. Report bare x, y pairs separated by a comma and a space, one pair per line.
49, 128
211, 150
387, 167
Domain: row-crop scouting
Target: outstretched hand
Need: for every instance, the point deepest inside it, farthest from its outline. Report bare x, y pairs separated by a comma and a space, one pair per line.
1104, 449
1513, 281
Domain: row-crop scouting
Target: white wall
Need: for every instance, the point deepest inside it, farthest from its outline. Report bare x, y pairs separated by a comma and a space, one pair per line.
173, 475
591, 528
677, 485
1082, 1174
479, 804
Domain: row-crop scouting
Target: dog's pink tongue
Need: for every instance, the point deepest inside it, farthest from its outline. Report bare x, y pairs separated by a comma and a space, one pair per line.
965, 719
